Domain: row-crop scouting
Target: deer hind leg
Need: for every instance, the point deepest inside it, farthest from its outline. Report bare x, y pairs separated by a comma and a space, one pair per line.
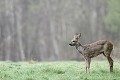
110, 63
110, 60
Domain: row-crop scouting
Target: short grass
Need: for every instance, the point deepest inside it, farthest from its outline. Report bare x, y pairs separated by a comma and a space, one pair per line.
65, 70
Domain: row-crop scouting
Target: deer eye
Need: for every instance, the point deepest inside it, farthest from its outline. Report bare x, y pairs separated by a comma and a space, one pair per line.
74, 41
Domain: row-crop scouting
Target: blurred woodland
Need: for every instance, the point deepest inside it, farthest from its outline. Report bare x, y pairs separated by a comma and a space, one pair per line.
42, 29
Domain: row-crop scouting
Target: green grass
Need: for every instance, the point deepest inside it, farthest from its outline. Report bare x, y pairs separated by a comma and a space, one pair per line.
69, 70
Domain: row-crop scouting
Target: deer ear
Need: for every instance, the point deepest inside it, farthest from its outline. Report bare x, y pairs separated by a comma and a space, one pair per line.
79, 34
76, 33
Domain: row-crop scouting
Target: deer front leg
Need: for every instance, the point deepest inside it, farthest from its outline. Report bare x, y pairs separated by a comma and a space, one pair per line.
86, 65
88, 61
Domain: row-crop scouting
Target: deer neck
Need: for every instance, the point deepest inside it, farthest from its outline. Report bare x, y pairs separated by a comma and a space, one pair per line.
80, 45
80, 48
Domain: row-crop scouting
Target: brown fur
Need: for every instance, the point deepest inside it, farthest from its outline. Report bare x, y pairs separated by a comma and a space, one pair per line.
94, 49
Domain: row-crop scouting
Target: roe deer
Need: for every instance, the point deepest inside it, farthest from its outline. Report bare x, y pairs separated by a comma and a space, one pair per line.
92, 50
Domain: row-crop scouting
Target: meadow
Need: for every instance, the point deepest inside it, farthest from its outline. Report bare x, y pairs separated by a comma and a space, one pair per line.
58, 70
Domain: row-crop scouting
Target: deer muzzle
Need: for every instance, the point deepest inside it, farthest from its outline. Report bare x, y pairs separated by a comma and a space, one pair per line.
72, 44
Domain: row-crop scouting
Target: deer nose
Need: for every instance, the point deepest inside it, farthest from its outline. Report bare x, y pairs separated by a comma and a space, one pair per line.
70, 44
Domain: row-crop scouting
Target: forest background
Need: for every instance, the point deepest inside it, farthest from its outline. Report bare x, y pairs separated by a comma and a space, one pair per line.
42, 29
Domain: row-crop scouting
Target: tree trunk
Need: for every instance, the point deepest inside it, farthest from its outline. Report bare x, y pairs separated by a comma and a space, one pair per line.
18, 13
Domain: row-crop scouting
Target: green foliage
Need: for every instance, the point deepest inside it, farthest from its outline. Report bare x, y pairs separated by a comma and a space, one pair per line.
113, 17
58, 71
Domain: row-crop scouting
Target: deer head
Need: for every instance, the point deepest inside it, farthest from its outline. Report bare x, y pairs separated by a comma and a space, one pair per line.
75, 41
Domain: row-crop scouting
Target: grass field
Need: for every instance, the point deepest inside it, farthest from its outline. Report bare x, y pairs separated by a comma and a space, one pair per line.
66, 70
